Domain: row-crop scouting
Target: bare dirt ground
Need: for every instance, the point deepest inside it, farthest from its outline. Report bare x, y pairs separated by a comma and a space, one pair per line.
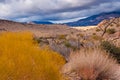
84, 27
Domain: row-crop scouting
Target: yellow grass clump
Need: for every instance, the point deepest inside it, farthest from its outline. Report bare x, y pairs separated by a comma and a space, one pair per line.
22, 59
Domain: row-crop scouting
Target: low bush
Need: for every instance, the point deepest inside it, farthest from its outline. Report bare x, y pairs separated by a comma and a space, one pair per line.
80, 35
97, 30
91, 64
62, 36
96, 37
111, 48
111, 31
67, 44
94, 33
22, 59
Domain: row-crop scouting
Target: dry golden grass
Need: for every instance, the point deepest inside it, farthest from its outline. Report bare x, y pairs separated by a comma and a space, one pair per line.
22, 59
92, 64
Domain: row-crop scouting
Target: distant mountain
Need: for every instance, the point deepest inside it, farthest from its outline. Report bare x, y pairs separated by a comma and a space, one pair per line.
39, 22
95, 19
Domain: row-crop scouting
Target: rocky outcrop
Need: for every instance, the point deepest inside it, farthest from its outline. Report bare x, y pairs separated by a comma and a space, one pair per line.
110, 29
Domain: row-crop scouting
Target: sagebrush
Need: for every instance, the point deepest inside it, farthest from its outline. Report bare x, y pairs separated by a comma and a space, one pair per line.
91, 64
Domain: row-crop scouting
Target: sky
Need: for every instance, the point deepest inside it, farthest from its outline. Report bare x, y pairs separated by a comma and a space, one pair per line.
57, 11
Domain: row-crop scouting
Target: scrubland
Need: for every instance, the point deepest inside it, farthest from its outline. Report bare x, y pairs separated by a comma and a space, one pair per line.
22, 58
60, 53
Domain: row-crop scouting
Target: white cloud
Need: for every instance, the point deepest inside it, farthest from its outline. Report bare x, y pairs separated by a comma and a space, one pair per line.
4, 10
67, 20
26, 10
25, 6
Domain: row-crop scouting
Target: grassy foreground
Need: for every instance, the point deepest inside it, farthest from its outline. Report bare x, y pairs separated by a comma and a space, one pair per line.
22, 59
91, 64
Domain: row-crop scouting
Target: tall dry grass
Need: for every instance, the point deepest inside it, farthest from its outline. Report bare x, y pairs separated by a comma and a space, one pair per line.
22, 59
91, 64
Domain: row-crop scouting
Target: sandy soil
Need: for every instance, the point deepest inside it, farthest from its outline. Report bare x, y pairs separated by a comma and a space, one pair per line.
84, 27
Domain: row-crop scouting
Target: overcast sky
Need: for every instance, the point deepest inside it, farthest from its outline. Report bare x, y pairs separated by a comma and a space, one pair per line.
54, 10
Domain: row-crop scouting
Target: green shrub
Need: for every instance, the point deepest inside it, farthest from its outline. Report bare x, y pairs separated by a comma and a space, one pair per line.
67, 44
97, 30
95, 37
72, 32
38, 40
111, 48
63, 36
80, 35
111, 31
94, 33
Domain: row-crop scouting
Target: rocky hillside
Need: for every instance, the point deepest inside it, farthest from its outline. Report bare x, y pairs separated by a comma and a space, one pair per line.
106, 37
95, 19
110, 29
107, 30
37, 29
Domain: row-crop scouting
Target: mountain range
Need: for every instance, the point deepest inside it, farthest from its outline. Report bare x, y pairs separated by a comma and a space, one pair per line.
39, 22
89, 21
95, 19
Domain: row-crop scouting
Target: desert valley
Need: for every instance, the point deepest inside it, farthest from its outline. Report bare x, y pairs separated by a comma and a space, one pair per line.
95, 41
65, 40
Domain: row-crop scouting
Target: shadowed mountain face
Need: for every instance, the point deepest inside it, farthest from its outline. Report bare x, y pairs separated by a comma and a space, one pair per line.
95, 19
40, 22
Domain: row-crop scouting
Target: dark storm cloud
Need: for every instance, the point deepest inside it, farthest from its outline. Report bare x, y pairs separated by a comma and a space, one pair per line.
27, 10
2, 0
